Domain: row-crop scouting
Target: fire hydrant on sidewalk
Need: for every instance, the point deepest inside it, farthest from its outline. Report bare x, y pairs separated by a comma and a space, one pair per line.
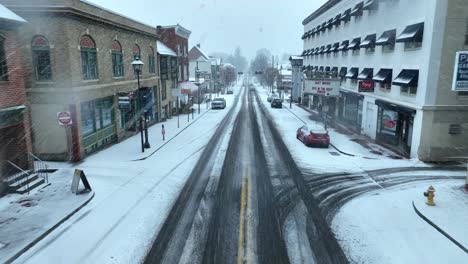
430, 195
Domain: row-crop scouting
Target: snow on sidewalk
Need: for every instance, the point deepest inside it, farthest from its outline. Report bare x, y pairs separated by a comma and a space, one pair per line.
24, 218
382, 227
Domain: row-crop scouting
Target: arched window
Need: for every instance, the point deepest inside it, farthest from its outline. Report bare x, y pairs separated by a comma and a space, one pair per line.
89, 64
151, 61
3, 62
136, 52
41, 58
117, 59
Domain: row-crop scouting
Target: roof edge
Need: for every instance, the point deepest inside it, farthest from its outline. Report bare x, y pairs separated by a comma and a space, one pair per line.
325, 7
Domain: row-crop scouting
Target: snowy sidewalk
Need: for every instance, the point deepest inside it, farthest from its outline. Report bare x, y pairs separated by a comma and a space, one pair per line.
25, 219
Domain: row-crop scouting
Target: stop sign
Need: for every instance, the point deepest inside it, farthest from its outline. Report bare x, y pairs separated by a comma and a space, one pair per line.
64, 118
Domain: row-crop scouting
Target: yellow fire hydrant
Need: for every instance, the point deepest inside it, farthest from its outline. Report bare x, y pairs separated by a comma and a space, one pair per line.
430, 195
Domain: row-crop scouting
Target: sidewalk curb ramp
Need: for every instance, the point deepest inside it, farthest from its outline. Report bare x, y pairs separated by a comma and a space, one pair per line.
47, 232
458, 244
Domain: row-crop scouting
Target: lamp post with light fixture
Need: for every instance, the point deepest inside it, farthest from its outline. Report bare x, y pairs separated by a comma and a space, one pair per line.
137, 65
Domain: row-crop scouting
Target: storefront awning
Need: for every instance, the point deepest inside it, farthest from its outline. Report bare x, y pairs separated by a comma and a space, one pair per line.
383, 76
336, 47
354, 44
395, 107
337, 19
353, 73
346, 15
357, 10
407, 78
412, 33
344, 45
370, 5
387, 38
369, 41
322, 50
328, 49
366, 74
343, 71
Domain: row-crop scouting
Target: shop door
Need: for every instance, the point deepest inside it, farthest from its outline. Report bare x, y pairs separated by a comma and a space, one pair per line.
369, 126
405, 132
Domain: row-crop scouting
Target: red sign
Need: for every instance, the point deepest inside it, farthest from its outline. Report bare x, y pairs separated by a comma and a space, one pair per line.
64, 118
366, 86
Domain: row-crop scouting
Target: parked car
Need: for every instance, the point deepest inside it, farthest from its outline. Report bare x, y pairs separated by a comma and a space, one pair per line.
313, 135
276, 103
230, 91
218, 103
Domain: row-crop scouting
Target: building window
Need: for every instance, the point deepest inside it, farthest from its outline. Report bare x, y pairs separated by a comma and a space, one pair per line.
163, 90
117, 59
163, 61
410, 90
136, 52
174, 67
179, 74
3, 62
41, 58
151, 63
408, 80
89, 64
466, 35
385, 86
412, 45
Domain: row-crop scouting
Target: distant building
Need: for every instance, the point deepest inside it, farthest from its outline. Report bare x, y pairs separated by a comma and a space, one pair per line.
169, 67
78, 58
15, 127
396, 61
284, 80
215, 85
199, 68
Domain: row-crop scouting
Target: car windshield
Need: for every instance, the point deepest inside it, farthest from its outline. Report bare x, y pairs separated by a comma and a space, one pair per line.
234, 131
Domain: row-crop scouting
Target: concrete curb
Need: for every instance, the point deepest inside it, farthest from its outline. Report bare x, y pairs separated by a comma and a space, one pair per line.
38, 239
458, 244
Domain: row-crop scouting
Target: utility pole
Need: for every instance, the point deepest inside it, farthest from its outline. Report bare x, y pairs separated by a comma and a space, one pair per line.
197, 81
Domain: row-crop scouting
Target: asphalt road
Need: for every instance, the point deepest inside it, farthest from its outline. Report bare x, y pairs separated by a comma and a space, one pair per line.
239, 216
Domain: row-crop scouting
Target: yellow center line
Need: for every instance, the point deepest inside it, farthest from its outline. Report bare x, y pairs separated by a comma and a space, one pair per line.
240, 246
249, 218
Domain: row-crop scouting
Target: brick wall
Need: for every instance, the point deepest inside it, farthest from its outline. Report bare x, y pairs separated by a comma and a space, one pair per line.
171, 39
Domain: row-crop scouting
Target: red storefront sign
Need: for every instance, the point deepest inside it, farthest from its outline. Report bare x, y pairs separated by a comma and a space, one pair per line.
366, 86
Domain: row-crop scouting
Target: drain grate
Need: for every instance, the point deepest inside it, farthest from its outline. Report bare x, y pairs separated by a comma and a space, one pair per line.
334, 153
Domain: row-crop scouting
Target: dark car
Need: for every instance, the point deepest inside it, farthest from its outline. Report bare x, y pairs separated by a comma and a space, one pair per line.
276, 103
218, 103
313, 135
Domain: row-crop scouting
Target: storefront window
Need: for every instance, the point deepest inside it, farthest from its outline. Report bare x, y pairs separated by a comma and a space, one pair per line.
87, 120
96, 115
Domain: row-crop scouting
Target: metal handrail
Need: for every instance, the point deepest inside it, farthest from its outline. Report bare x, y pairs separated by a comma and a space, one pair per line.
21, 170
40, 167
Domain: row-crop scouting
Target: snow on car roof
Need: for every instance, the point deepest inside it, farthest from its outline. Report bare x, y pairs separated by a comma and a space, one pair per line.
317, 128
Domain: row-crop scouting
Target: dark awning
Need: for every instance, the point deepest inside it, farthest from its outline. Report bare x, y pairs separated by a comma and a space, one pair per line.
318, 28
322, 50
387, 38
370, 5
412, 33
329, 47
315, 68
321, 69
309, 33
354, 44
346, 15
336, 47
383, 76
369, 41
303, 36
353, 73
304, 52
316, 52
334, 69
344, 45
366, 74
395, 107
324, 26
407, 78
337, 20
330, 23
327, 69
357, 10
343, 71
313, 31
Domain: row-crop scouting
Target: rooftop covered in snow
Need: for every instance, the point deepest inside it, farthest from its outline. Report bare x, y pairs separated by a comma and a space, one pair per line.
8, 15
164, 50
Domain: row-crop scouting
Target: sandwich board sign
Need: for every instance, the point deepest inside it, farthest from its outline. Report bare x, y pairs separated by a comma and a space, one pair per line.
77, 176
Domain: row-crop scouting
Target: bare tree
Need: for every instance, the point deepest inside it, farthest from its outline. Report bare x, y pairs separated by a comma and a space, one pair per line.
228, 74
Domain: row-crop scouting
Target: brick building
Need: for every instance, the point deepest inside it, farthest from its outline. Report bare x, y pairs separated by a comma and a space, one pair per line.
78, 58
15, 136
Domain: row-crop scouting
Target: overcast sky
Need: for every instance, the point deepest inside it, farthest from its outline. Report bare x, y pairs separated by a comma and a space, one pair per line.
221, 25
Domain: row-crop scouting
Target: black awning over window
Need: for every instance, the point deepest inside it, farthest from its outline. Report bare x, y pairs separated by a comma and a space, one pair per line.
370, 5
318, 28
328, 49
336, 47
313, 31
334, 69
330, 23
327, 69
407, 78
366, 74
412, 33
324, 26
322, 50
354, 44
346, 16
321, 69
357, 10
303, 36
309, 33
383, 76
344, 45
353, 73
387, 38
337, 19
369, 41
304, 52
343, 71
315, 68
316, 52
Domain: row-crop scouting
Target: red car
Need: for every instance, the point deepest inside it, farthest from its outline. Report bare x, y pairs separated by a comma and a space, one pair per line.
313, 135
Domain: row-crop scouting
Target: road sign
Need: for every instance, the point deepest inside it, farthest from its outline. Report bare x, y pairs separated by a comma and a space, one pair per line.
460, 72
64, 118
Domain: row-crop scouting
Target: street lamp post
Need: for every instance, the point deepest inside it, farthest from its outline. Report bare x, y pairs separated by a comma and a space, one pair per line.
137, 65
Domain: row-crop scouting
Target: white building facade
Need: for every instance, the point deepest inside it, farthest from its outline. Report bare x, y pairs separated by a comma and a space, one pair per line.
396, 59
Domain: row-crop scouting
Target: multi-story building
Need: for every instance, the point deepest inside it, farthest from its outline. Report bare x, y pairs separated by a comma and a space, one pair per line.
396, 60
78, 59
199, 69
169, 67
215, 86
15, 128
